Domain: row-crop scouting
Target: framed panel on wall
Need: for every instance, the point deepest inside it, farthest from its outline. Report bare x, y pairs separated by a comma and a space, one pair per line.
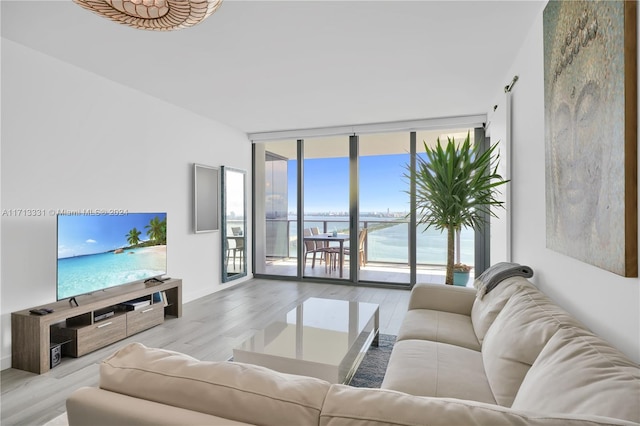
590, 77
206, 185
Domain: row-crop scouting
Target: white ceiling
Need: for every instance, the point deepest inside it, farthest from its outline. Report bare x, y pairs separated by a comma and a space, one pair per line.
278, 65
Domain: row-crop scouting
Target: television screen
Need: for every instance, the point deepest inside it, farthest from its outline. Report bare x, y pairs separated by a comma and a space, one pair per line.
96, 252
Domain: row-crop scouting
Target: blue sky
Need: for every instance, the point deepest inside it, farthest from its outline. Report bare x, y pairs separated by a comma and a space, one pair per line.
382, 184
85, 234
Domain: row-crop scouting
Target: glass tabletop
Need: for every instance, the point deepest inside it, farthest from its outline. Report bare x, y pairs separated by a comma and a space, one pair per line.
318, 330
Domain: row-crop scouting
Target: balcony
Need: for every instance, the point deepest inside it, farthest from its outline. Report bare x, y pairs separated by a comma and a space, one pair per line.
386, 250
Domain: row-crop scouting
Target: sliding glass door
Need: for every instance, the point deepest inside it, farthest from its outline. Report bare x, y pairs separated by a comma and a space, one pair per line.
326, 207
339, 208
275, 206
384, 159
431, 244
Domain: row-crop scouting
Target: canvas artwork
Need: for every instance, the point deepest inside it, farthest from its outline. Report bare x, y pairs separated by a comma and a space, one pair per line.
590, 145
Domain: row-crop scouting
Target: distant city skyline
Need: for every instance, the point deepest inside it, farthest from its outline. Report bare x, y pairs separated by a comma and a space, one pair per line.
346, 213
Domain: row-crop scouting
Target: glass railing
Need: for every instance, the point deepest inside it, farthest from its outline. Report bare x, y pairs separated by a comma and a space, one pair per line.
387, 241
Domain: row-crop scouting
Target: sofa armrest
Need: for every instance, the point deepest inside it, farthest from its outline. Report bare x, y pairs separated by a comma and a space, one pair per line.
440, 297
98, 407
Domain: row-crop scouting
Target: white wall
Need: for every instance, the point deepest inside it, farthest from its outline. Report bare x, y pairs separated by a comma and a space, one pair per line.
496, 128
607, 303
73, 140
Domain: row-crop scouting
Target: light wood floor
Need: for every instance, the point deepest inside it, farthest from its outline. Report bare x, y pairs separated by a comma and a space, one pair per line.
208, 330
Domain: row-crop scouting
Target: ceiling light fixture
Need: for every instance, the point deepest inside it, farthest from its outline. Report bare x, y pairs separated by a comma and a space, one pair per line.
158, 15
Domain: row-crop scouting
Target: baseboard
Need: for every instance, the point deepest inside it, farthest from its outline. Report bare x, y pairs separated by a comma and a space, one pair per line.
189, 297
5, 362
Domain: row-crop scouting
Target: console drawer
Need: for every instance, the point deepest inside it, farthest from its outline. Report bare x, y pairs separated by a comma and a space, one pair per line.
100, 334
144, 318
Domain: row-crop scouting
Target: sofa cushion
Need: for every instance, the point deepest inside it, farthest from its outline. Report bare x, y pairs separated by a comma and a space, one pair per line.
577, 372
426, 368
486, 309
517, 336
438, 326
348, 406
240, 392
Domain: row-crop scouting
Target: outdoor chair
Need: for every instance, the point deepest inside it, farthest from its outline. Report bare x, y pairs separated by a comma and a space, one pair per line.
362, 236
310, 247
323, 247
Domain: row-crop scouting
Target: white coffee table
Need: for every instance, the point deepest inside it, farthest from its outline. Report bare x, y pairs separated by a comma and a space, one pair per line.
321, 338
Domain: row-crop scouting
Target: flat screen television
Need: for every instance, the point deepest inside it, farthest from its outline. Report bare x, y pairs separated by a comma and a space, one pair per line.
96, 252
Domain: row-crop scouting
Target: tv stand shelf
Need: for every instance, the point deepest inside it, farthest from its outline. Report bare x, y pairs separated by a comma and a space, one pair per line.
32, 335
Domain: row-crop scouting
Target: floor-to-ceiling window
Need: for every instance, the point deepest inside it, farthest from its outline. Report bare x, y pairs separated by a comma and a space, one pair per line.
275, 190
431, 244
384, 159
304, 208
326, 206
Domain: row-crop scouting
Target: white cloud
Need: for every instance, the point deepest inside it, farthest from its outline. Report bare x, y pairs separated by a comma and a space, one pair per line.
90, 241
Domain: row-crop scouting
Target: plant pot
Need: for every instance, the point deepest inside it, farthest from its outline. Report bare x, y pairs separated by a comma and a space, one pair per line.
460, 278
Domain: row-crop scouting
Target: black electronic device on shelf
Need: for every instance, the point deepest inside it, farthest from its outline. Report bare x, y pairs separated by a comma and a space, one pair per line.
102, 314
132, 305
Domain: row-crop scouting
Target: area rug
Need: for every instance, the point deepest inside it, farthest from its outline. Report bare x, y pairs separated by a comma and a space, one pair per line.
370, 373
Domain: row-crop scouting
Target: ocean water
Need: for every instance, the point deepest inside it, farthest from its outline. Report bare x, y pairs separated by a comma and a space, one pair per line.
85, 274
388, 242
391, 245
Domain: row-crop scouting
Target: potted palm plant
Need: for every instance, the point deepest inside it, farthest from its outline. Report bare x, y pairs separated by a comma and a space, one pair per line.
456, 186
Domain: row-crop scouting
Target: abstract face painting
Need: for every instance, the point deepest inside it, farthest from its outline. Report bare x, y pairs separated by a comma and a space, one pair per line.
586, 134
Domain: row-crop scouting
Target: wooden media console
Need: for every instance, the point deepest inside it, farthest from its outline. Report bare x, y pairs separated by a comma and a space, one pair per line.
76, 330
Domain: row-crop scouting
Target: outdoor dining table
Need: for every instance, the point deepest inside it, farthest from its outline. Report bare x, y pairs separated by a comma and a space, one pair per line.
340, 238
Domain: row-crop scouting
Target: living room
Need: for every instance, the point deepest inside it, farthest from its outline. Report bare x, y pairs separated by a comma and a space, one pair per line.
75, 139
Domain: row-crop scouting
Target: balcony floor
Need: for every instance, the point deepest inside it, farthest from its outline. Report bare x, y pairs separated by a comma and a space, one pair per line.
388, 273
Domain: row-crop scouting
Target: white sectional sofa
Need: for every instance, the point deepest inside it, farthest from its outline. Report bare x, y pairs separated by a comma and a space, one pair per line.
510, 358
513, 348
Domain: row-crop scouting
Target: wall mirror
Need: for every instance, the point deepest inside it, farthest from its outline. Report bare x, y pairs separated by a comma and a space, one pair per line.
234, 224
205, 198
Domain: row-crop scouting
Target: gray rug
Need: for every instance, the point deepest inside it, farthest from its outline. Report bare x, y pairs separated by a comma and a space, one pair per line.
371, 370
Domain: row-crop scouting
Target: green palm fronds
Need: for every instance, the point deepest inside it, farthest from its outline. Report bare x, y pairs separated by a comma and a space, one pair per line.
456, 186
157, 230
133, 237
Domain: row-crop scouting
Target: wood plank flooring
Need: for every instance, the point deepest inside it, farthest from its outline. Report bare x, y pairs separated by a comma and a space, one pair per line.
208, 330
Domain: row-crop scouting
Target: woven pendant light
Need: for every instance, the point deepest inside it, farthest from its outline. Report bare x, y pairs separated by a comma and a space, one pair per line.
158, 15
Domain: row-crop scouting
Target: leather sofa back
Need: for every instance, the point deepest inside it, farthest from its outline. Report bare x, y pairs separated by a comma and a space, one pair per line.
516, 337
240, 392
578, 372
486, 309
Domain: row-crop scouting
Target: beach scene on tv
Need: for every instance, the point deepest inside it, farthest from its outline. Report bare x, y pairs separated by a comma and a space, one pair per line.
96, 252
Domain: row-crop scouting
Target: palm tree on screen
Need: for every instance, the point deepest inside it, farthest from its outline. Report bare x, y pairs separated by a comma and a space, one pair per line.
133, 237
157, 230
